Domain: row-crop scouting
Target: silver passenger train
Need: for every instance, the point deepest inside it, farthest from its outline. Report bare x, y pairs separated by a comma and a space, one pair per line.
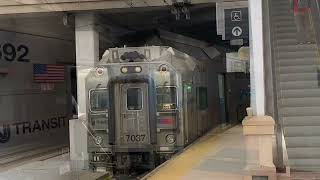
144, 104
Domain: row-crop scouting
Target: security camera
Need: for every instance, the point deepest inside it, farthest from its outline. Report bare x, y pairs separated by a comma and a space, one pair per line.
66, 19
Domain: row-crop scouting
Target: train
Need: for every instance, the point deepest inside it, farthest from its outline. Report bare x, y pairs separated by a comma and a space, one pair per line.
143, 105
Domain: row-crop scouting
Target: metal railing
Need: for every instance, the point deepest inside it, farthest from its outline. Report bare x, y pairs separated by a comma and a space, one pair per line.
271, 75
315, 18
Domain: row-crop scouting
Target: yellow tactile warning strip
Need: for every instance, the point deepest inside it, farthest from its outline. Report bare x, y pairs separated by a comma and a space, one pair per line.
180, 165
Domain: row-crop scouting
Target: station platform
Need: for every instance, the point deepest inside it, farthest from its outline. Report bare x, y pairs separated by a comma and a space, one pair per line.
53, 166
219, 155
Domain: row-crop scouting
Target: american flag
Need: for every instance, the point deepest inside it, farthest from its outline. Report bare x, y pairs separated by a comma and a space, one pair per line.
48, 73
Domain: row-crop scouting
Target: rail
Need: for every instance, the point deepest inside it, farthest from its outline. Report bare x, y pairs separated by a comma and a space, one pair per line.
315, 18
271, 75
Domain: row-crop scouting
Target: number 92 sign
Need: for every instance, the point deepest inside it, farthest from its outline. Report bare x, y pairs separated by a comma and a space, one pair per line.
10, 52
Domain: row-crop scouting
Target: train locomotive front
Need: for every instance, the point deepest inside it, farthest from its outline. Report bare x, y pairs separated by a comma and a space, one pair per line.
142, 106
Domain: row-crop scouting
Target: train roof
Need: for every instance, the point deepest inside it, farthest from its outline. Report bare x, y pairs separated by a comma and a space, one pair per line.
173, 56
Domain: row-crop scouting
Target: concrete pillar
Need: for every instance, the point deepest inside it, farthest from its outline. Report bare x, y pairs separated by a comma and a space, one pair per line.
87, 53
259, 134
256, 57
258, 129
87, 50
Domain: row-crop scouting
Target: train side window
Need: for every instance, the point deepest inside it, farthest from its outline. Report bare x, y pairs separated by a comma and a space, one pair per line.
99, 100
134, 98
166, 98
203, 98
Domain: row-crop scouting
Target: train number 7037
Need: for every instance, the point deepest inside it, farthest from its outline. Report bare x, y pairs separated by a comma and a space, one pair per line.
135, 138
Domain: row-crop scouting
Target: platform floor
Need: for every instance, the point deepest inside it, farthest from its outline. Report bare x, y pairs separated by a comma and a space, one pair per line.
219, 155
46, 168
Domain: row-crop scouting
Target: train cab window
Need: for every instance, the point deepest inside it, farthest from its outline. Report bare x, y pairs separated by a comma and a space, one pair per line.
166, 98
134, 98
203, 98
99, 100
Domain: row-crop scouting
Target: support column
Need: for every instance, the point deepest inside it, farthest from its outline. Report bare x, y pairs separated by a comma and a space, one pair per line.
87, 53
258, 129
256, 57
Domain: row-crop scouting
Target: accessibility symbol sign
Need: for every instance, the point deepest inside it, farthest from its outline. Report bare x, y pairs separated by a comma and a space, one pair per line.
236, 16
237, 31
236, 24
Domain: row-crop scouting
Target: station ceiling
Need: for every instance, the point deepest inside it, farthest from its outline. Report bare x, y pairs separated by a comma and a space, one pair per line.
121, 26
32, 6
48, 25
136, 25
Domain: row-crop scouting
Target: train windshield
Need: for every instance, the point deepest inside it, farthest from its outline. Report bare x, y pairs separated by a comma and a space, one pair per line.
99, 100
134, 99
166, 98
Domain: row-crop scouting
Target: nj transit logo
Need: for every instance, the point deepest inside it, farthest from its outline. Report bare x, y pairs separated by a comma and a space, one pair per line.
5, 133
30, 127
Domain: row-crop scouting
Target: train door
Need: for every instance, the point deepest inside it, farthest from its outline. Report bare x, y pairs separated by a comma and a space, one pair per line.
222, 105
198, 118
190, 113
133, 127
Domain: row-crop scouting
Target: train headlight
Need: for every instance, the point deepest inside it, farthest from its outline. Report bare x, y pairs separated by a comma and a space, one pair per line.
98, 140
170, 138
163, 68
124, 69
99, 71
137, 69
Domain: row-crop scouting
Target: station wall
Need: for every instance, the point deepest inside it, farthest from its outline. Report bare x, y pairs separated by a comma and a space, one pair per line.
33, 115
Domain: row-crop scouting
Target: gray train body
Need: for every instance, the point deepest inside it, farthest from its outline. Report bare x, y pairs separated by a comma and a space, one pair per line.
144, 104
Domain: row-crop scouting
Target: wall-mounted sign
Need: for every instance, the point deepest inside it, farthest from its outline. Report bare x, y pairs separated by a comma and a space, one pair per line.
236, 31
236, 23
10, 52
236, 42
236, 16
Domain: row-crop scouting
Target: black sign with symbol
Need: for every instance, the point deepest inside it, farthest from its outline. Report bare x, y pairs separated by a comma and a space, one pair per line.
236, 16
236, 23
236, 31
